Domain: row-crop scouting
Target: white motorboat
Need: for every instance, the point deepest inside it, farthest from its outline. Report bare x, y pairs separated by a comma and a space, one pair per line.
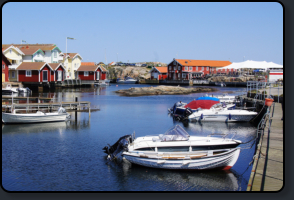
206, 102
218, 113
9, 89
176, 149
226, 98
127, 80
103, 83
23, 118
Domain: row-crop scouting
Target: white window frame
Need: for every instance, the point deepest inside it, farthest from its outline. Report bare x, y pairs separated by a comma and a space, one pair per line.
202, 68
12, 74
186, 68
28, 73
55, 54
196, 68
190, 68
207, 68
183, 75
86, 73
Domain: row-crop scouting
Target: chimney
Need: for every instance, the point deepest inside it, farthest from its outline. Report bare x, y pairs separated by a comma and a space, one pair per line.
27, 47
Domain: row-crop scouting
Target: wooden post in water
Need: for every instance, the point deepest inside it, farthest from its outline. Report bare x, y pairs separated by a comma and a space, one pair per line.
76, 112
89, 110
11, 103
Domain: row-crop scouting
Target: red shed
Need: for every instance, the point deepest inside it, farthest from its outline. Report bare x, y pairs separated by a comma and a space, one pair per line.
159, 73
58, 72
90, 71
34, 72
5, 71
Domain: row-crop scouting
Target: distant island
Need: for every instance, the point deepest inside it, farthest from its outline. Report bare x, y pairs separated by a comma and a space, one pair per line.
162, 90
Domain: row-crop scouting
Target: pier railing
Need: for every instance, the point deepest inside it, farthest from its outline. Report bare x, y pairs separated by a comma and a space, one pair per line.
261, 90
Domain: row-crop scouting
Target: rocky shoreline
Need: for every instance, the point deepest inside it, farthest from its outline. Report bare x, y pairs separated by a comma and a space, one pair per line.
162, 90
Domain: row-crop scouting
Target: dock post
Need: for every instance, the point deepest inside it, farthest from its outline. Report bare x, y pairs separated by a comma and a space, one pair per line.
191, 82
40, 88
11, 103
89, 109
76, 112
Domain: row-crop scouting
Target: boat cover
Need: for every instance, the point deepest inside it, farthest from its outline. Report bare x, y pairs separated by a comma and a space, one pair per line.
175, 133
203, 102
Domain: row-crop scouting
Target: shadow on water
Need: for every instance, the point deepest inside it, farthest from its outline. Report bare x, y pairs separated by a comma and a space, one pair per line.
152, 179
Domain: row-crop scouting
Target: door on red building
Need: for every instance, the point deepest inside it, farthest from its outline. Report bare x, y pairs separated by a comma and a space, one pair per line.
59, 77
98, 76
45, 76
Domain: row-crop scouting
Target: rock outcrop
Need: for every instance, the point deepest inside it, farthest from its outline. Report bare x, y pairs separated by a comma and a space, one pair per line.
162, 90
134, 72
236, 79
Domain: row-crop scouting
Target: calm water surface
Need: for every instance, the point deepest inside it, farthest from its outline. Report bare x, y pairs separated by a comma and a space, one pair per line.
68, 156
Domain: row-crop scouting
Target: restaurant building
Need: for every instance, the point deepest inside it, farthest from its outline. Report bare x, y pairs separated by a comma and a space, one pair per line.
185, 69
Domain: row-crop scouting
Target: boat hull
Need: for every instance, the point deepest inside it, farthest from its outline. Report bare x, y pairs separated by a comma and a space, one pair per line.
9, 118
223, 118
224, 161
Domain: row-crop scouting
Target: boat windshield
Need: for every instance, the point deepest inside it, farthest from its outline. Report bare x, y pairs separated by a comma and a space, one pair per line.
176, 133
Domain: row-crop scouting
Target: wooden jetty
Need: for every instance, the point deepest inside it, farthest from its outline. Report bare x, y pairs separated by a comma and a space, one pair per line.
268, 166
49, 106
9, 98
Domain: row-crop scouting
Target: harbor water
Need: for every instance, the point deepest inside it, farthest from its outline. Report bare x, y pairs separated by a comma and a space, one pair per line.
68, 156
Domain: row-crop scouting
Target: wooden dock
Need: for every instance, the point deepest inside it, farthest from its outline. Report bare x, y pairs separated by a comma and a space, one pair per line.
9, 98
267, 171
69, 106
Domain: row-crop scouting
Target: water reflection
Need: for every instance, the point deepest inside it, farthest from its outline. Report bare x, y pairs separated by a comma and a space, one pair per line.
59, 127
171, 180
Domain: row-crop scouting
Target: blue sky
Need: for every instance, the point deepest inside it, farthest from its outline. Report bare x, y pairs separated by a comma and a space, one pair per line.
140, 32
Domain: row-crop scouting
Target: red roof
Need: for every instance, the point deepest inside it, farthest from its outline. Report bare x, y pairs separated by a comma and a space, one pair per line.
162, 69
208, 63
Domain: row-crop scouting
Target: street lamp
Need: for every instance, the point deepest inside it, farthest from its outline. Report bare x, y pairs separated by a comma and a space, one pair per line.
66, 48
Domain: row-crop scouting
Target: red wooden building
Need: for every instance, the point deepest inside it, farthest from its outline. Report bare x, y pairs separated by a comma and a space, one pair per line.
184, 69
159, 73
58, 72
34, 72
5, 71
91, 71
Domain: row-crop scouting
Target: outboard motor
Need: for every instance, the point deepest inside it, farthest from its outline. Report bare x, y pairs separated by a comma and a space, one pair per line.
188, 111
120, 145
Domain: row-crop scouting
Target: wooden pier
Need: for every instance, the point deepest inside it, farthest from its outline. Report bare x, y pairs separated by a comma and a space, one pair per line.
48, 106
267, 171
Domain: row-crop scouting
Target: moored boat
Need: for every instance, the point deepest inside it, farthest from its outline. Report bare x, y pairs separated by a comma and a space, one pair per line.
38, 117
218, 113
176, 149
127, 80
9, 89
